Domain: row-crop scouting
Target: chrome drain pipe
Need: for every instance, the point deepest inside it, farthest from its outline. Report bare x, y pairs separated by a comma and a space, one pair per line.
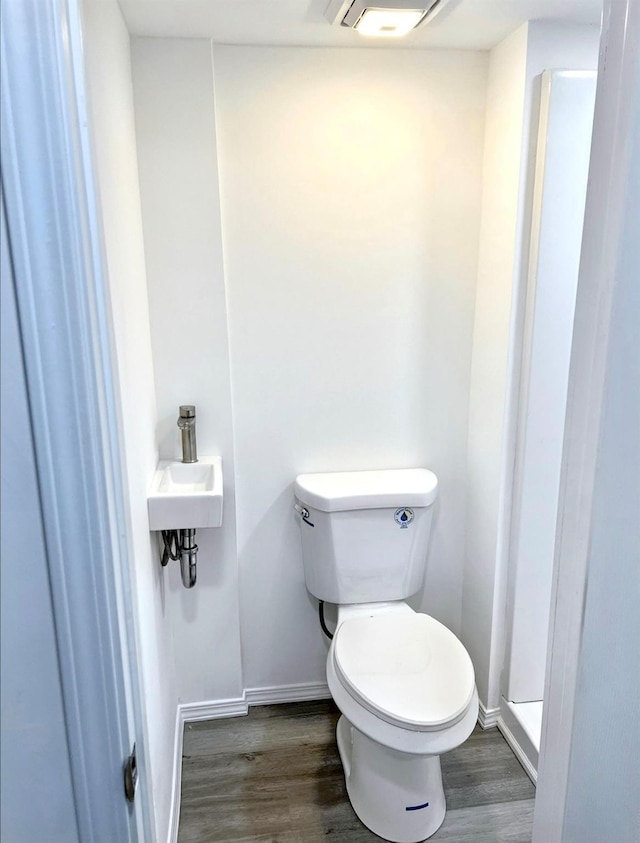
181, 544
188, 557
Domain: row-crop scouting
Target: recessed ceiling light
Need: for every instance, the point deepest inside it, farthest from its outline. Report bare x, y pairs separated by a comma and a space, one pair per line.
382, 17
388, 22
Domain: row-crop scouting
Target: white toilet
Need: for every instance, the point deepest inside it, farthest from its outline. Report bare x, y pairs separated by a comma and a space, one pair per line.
403, 682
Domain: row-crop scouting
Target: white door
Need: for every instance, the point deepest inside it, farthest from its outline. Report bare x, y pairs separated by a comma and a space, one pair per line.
70, 711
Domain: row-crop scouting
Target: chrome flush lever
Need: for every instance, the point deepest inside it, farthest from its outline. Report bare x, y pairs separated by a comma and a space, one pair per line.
303, 512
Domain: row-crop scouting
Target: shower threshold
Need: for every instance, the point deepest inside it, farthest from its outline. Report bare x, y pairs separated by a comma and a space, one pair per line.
521, 725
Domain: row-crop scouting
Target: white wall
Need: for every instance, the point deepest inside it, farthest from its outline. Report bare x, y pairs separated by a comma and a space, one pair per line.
350, 188
339, 334
175, 122
498, 237
111, 100
515, 67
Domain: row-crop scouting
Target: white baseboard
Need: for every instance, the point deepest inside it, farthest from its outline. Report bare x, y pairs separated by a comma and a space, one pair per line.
518, 751
213, 709
287, 693
176, 780
487, 717
235, 707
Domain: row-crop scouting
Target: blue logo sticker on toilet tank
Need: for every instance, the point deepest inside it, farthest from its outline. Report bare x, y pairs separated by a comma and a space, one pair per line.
403, 517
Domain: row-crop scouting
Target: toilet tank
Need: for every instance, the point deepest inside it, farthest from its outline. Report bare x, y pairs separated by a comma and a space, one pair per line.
365, 533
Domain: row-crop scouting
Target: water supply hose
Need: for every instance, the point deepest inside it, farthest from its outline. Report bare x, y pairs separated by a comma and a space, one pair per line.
171, 548
322, 623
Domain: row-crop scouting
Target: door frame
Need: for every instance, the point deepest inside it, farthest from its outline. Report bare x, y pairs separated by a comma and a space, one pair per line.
558, 129
55, 246
602, 238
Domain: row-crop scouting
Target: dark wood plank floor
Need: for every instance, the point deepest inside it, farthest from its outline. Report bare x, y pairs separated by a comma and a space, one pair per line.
275, 777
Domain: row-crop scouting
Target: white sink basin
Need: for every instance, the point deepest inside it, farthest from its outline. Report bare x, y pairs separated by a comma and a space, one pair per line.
186, 495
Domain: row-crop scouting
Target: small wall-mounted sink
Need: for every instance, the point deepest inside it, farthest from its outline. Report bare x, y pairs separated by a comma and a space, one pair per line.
186, 495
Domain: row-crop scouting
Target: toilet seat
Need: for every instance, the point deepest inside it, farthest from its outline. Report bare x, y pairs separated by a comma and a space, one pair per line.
406, 668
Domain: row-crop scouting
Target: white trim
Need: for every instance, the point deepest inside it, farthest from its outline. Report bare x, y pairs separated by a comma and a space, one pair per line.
213, 709
604, 222
288, 693
176, 780
523, 673
518, 750
487, 717
233, 707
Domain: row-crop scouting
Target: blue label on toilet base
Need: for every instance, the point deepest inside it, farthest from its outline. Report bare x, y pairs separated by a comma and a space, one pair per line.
417, 807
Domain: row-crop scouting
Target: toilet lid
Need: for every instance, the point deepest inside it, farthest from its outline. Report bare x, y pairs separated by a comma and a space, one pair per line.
407, 669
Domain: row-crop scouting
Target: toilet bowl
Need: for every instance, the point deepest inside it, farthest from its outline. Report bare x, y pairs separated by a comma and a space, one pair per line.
405, 688
404, 684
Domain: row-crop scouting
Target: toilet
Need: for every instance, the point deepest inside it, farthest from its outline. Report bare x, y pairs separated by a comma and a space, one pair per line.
403, 682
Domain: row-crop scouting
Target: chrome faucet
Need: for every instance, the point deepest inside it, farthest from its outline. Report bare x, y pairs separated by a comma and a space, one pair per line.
187, 425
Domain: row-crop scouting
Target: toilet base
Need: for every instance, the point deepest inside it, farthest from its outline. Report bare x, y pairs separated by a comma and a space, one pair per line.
396, 795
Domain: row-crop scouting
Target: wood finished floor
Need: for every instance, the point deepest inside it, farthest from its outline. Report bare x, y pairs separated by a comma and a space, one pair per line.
275, 777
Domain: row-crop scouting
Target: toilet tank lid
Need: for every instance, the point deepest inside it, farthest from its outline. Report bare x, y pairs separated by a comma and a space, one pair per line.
345, 490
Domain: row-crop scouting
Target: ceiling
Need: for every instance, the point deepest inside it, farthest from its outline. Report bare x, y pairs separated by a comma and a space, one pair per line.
466, 24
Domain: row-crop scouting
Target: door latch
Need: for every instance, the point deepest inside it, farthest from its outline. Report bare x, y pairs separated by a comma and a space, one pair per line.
130, 775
